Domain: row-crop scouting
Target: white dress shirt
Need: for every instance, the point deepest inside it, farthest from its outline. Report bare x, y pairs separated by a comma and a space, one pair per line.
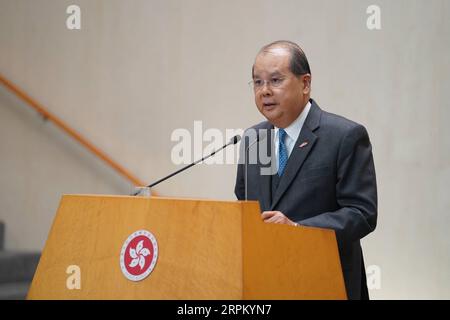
292, 133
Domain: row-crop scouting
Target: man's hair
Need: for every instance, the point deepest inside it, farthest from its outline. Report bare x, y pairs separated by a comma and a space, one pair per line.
299, 63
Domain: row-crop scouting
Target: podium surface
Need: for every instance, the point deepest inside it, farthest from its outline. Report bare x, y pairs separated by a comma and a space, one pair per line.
205, 250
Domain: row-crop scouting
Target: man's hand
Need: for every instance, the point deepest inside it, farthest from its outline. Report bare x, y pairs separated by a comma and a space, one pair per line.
276, 217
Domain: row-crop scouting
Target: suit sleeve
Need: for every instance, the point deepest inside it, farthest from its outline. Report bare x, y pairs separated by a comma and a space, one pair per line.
239, 188
356, 190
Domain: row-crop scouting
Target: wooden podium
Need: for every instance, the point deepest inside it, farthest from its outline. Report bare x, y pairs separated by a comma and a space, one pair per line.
206, 250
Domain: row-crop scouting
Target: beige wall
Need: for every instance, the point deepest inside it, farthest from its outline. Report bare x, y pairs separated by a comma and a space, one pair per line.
137, 70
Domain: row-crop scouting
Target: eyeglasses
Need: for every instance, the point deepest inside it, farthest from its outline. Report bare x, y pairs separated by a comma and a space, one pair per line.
275, 82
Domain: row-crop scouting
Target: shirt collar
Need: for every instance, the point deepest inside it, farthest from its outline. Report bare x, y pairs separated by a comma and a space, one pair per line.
293, 130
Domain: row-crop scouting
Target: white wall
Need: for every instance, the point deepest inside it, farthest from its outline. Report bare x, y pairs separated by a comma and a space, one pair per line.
137, 70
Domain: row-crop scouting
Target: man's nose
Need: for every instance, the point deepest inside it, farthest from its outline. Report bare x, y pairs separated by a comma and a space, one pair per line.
266, 90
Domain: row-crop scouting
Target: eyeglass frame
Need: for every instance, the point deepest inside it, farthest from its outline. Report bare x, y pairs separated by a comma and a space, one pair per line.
268, 82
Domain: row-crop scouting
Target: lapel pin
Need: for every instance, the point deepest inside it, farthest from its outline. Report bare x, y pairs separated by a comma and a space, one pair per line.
304, 144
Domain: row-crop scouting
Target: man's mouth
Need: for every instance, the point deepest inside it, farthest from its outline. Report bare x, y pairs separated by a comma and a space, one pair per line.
269, 105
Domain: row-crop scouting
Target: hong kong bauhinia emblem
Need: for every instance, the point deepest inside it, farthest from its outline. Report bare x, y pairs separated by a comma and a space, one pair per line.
139, 255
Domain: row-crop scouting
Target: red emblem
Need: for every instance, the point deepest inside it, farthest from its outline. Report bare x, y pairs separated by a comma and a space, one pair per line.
139, 255
304, 144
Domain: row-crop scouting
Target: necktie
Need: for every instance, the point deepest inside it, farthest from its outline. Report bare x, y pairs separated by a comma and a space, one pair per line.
282, 152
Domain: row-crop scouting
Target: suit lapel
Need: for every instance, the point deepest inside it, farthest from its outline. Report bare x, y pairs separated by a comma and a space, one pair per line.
303, 146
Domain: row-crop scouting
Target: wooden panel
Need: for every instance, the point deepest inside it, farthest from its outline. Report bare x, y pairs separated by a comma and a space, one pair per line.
286, 262
199, 249
207, 250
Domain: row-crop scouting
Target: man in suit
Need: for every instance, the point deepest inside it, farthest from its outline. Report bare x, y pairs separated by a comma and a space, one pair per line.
324, 174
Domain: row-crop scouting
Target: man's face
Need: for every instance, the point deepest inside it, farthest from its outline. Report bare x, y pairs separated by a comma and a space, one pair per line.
279, 95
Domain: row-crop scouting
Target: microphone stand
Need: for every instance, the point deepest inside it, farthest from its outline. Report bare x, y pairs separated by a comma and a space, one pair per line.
233, 140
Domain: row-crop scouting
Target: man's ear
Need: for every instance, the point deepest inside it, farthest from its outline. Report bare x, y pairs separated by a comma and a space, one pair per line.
306, 83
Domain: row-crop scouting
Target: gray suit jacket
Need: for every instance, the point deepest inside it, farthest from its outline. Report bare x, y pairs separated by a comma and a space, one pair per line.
329, 183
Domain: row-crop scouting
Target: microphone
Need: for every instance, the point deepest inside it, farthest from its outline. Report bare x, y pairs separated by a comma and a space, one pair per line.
260, 137
233, 141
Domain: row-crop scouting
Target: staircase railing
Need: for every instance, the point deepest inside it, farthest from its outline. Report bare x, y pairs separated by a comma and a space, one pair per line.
70, 131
